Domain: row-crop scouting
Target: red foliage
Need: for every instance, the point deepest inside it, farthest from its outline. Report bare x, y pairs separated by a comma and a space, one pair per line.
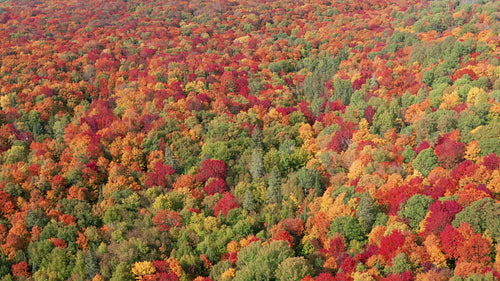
325, 276
423, 145
441, 215
212, 169
390, 244
215, 185
159, 176
166, 219
348, 265
225, 204
58, 242
491, 162
281, 234
449, 152
404, 276
369, 113
464, 169
451, 240
458, 74
20, 269
340, 141
295, 226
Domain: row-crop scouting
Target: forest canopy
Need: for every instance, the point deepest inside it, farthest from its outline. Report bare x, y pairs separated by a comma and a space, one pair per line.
249, 140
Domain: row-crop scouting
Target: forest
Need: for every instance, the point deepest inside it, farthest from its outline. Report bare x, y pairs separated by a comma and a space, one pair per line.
207, 140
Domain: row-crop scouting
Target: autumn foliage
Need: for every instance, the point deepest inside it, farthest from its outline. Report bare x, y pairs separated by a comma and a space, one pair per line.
238, 140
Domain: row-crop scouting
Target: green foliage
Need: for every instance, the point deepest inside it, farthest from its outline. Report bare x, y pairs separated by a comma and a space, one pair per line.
257, 165
425, 161
293, 269
273, 194
408, 154
366, 212
400, 264
349, 227
415, 209
260, 262
482, 216
342, 90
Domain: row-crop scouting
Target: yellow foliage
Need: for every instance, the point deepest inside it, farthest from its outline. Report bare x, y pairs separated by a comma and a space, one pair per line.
374, 260
362, 276
175, 266
211, 224
228, 274
472, 151
494, 184
356, 170
494, 111
98, 277
143, 268
476, 96
431, 276
496, 266
396, 225
331, 263
5, 102
436, 255
338, 208
450, 100
233, 246
376, 234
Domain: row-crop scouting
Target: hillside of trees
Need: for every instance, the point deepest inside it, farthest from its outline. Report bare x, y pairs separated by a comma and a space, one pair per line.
208, 140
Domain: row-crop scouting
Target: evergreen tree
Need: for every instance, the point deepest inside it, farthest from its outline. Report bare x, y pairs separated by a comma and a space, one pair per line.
366, 212
248, 201
257, 165
274, 188
170, 158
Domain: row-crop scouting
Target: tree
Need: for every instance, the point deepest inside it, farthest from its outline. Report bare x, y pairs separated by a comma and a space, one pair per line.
366, 212
142, 269
449, 153
294, 269
273, 194
425, 161
342, 89
166, 219
349, 227
257, 164
212, 169
415, 209
225, 204
248, 201
259, 262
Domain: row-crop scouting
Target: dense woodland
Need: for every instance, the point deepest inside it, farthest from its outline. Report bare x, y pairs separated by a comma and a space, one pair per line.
249, 140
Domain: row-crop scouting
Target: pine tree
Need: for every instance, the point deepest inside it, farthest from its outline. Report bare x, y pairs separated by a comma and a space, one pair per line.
257, 137
170, 158
248, 201
257, 165
274, 188
366, 212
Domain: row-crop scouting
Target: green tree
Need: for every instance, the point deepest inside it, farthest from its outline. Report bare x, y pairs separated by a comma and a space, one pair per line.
482, 215
259, 262
415, 209
273, 194
122, 272
293, 269
366, 212
425, 161
257, 165
248, 201
349, 227
342, 89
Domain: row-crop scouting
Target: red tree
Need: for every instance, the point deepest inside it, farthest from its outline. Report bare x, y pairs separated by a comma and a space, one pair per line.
225, 204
